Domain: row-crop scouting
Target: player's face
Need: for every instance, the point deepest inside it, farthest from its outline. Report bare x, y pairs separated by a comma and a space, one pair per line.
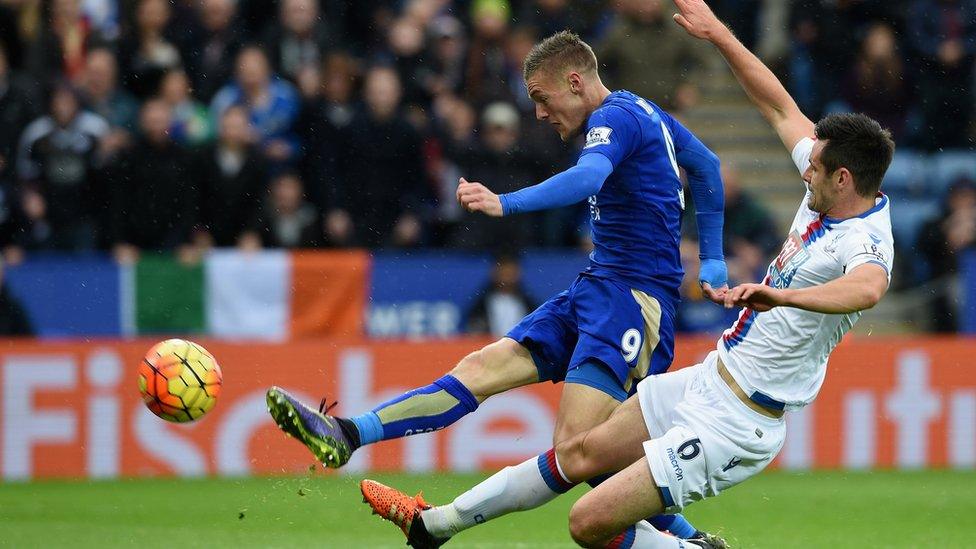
559, 102
822, 185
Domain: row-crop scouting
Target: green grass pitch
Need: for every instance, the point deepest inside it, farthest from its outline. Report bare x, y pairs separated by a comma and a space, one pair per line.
836, 509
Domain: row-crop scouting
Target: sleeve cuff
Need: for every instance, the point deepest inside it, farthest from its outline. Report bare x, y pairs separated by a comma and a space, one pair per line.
506, 204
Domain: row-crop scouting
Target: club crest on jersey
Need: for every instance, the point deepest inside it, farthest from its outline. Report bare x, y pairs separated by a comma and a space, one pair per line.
788, 262
599, 135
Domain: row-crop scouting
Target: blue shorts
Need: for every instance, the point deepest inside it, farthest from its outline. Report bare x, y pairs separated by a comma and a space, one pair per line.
599, 333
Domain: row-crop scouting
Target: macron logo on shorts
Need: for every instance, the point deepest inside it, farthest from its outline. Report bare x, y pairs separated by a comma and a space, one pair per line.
598, 136
678, 473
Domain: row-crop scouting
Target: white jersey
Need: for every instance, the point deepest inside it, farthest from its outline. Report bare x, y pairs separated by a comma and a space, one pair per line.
780, 357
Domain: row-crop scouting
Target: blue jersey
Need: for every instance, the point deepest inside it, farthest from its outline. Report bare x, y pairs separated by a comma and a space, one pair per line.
636, 216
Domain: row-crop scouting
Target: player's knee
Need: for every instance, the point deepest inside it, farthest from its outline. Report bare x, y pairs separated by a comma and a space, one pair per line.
585, 525
574, 460
565, 431
471, 371
483, 372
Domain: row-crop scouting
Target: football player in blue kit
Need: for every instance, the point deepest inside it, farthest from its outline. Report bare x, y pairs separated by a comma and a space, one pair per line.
615, 324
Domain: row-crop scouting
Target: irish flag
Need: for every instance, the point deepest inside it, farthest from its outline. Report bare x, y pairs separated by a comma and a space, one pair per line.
267, 295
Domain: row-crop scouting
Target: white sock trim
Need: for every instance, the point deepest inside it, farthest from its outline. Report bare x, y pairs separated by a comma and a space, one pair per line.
559, 468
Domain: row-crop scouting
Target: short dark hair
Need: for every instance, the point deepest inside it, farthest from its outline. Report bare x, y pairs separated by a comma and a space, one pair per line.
563, 50
859, 143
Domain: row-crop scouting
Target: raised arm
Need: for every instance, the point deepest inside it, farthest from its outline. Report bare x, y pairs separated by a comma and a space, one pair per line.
762, 86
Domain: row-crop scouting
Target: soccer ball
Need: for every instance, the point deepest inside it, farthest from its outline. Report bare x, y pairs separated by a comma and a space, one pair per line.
179, 380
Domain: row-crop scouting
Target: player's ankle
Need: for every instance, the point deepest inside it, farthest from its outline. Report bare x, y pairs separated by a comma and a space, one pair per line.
351, 431
441, 522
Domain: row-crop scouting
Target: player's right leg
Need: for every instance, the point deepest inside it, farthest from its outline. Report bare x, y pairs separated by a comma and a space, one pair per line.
498, 367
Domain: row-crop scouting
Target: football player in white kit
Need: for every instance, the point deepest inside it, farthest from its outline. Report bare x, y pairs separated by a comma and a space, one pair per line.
692, 433
715, 424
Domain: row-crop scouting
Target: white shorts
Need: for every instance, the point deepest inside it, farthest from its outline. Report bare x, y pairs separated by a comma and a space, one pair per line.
703, 438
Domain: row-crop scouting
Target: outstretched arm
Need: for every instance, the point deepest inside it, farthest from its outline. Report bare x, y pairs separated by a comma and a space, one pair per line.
858, 290
762, 86
574, 185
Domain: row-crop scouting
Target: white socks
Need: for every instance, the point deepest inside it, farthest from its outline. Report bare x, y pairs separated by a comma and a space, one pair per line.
516, 488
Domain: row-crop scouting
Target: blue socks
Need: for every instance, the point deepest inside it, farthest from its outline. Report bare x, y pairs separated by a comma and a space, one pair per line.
418, 411
678, 525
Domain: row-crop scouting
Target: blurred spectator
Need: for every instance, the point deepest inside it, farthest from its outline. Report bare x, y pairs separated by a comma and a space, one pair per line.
148, 51
751, 237
876, 83
271, 103
444, 71
742, 16
382, 172
300, 37
825, 38
57, 160
287, 220
548, 17
211, 49
486, 75
103, 17
406, 43
154, 200
498, 162
503, 303
941, 241
13, 318
309, 83
103, 96
18, 106
943, 33
646, 53
231, 179
456, 122
59, 50
192, 125
322, 125
517, 46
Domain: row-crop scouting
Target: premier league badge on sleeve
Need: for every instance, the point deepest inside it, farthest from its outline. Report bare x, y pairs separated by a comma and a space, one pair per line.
598, 136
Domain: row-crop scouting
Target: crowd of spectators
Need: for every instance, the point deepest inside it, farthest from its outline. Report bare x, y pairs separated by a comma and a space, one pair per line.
185, 124
908, 63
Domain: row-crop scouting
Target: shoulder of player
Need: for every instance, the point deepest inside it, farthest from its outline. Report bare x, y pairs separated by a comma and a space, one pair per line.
617, 111
869, 230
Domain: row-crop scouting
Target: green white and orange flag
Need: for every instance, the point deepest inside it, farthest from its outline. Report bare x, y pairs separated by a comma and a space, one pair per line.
267, 295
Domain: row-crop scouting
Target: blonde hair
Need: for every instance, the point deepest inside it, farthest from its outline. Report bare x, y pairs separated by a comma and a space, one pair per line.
561, 51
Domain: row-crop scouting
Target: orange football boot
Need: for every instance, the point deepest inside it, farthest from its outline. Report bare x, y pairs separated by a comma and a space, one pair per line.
402, 510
